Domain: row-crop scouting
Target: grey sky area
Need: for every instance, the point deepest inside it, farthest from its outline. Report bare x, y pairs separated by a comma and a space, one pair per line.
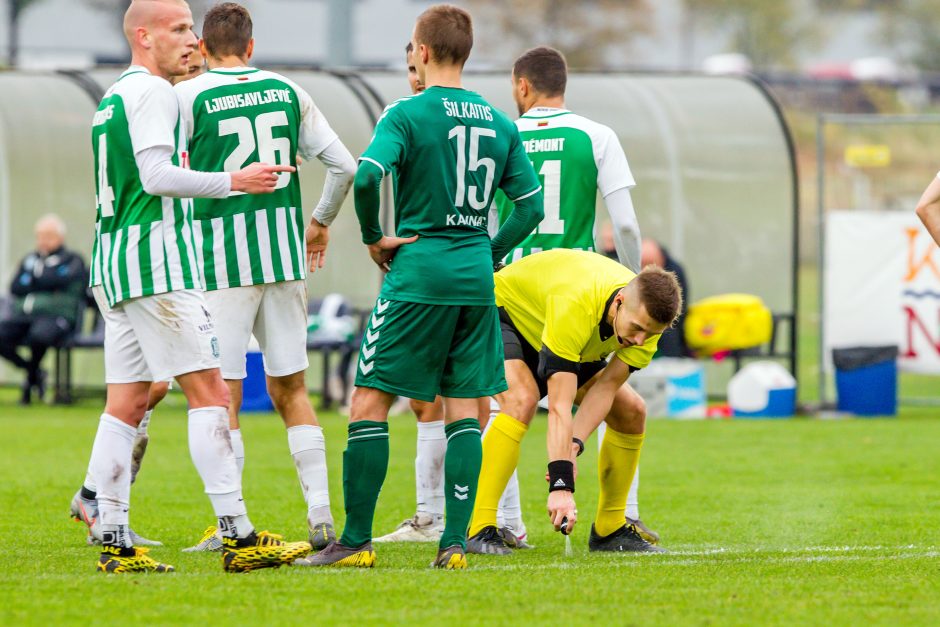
70, 32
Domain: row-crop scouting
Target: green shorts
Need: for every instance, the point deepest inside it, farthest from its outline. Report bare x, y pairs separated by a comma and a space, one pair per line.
421, 351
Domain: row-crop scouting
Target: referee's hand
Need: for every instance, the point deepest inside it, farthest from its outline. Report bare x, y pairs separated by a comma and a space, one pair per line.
561, 506
384, 250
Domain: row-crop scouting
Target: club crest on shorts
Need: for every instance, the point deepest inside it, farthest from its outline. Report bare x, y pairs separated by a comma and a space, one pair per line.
214, 343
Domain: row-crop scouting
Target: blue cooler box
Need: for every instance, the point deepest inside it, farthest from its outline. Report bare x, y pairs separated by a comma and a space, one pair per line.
867, 380
254, 387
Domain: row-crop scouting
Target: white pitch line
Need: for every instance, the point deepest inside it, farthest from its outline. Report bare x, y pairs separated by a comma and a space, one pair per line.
754, 556
809, 549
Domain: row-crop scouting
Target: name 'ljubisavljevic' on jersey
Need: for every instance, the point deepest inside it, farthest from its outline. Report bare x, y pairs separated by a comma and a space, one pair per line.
249, 99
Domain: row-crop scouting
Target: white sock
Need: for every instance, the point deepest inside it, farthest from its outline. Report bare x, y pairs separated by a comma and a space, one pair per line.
110, 467
210, 445
141, 439
238, 447
89, 483
510, 507
429, 467
308, 448
633, 500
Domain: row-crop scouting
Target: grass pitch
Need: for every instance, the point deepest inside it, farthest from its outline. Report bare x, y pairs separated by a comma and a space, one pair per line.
769, 522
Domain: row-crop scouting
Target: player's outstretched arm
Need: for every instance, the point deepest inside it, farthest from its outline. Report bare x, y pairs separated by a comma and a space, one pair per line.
562, 389
928, 208
528, 211
159, 177
258, 178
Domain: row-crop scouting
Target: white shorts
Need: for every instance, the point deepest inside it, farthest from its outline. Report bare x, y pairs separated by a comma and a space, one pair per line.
276, 313
157, 338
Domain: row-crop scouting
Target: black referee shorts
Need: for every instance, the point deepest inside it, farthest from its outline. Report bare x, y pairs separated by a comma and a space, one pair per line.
515, 346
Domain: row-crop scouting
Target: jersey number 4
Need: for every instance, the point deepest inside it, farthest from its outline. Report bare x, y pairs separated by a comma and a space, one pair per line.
105, 197
260, 135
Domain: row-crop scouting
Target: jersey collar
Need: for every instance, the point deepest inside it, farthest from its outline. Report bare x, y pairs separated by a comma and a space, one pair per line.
234, 70
605, 330
134, 69
545, 112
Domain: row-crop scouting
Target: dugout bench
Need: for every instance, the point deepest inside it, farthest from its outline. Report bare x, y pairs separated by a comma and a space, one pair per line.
89, 335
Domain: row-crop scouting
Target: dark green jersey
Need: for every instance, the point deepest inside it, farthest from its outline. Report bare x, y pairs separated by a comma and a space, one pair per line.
450, 150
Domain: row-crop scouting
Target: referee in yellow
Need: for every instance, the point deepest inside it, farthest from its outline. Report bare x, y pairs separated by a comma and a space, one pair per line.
562, 313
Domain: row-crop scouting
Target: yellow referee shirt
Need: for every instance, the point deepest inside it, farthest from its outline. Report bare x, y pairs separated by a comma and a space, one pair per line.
559, 298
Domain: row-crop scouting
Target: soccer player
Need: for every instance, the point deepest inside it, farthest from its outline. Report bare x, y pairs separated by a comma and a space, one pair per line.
427, 524
84, 505
250, 248
145, 280
576, 157
434, 330
562, 312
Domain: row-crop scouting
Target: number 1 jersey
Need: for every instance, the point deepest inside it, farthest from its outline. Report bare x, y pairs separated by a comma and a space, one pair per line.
575, 158
234, 117
450, 150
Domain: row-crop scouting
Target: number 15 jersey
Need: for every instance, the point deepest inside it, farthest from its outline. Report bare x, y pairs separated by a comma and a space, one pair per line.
450, 150
234, 117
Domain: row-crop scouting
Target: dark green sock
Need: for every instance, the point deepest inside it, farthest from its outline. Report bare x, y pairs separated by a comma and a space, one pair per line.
461, 473
365, 463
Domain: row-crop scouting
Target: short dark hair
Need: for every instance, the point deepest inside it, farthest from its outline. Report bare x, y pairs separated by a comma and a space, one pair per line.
544, 68
227, 29
659, 291
447, 31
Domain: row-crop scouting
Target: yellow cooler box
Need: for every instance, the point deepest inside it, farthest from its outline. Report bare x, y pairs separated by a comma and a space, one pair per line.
727, 322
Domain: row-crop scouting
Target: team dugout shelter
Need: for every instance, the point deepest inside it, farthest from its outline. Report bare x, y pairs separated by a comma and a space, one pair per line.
712, 157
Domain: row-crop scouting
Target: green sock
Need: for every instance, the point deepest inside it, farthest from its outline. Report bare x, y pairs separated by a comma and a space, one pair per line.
365, 463
461, 473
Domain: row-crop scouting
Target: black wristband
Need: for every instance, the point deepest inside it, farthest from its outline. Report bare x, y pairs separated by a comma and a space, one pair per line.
580, 444
561, 475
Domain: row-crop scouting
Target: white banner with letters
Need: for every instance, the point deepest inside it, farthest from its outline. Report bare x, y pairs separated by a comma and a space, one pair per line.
882, 286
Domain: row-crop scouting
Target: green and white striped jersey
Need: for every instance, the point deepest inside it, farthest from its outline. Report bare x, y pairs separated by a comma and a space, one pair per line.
575, 158
233, 117
143, 243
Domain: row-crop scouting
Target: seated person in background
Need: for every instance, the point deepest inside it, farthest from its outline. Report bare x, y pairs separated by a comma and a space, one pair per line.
47, 289
672, 343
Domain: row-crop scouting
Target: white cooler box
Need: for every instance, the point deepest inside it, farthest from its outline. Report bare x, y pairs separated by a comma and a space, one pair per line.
672, 387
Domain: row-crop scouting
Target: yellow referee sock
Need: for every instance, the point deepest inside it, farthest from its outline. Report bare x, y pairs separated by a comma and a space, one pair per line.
616, 465
500, 457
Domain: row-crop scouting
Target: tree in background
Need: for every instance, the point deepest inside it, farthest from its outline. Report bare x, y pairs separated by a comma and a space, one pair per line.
15, 8
589, 32
770, 32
